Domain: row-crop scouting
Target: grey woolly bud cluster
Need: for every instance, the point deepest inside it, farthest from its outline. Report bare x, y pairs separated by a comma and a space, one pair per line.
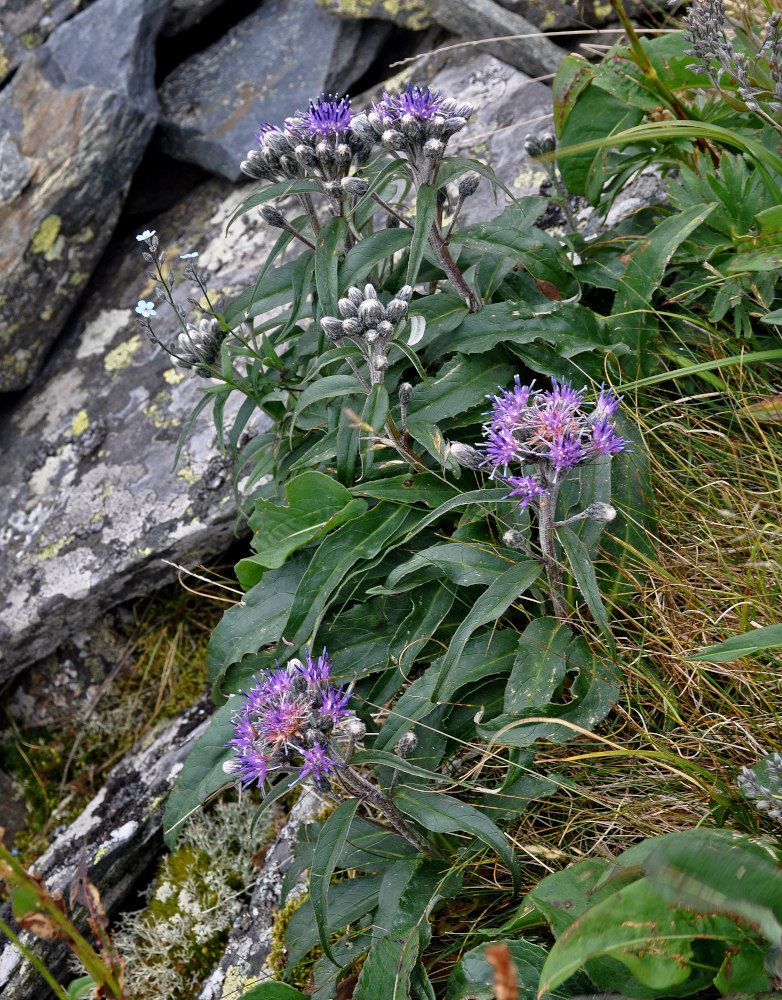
765, 798
407, 743
365, 317
198, 348
542, 145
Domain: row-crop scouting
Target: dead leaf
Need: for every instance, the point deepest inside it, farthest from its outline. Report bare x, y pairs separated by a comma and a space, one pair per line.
769, 409
549, 289
39, 924
499, 958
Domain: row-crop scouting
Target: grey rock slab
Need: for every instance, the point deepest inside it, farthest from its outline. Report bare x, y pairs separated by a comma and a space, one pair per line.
74, 123
26, 24
250, 940
90, 504
120, 834
264, 69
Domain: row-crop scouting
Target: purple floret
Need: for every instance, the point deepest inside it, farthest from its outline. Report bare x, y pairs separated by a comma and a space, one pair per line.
565, 452
317, 764
422, 104
501, 446
252, 764
605, 440
327, 116
316, 671
333, 704
525, 488
564, 396
263, 128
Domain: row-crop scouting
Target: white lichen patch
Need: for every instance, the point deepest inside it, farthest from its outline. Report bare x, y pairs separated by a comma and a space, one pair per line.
102, 330
173, 943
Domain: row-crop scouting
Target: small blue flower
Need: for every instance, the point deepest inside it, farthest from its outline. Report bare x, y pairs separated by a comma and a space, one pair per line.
146, 309
187, 256
146, 235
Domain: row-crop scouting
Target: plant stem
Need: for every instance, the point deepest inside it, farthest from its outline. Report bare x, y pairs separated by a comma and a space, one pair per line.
546, 510
448, 264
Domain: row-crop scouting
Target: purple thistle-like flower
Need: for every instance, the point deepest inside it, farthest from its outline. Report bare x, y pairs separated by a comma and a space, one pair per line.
564, 396
252, 764
501, 446
565, 452
605, 440
327, 116
607, 404
317, 763
333, 704
263, 128
316, 671
525, 488
420, 103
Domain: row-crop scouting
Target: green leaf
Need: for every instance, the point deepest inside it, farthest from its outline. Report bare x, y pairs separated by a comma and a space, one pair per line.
374, 414
329, 242
349, 900
747, 644
584, 572
273, 991
362, 538
361, 636
331, 841
637, 927
269, 192
540, 665
468, 564
280, 788
387, 969
461, 384
315, 504
276, 289
441, 813
573, 75
403, 765
418, 487
81, 987
327, 387
370, 251
473, 978
429, 435
425, 210
491, 604
632, 319
202, 773
257, 621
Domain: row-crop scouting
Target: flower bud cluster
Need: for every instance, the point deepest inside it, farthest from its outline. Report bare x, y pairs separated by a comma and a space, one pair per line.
551, 430
197, 349
416, 121
542, 145
286, 723
317, 143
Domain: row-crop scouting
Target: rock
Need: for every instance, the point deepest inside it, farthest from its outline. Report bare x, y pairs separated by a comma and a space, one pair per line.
185, 13
120, 833
86, 478
212, 104
250, 940
26, 24
75, 121
413, 14
13, 809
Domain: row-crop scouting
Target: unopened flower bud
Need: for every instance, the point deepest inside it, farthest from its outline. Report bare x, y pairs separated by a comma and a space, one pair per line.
343, 154
385, 329
405, 393
355, 295
332, 327
370, 336
396, 310
407, 743
355, 186
393, 139
532, 146
370, 292
454, 124
548, 142
434, 149
405, 293
305, 155
371, 312
469, 185
334, 188
381, 363
273, 216
466, 455
251, 169
324, 152
354, 728
347, 307
601, 512
513, 539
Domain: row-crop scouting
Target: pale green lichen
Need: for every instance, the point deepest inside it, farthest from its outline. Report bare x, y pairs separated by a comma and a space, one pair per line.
80, 423
45, 238
122, 356
413, 14
176, 941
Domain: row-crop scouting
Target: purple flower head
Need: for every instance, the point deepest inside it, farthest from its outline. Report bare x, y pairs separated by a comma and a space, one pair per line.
284, 722
510, 408
563, 396
605, 440
277, 683
263, 128
607, 404
420, 103
333, 704
501, 446
316, 671
525, 488
327, 116
555, 421
317, 763
252, 764
565, 452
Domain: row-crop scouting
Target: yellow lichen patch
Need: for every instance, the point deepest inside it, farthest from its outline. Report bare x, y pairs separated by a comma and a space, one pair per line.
78, 277
80, 423
172, 376
122, 356
416, 14
154, 414
236, 985
188, 475
100, 331
50, 551
45, 236
530, 177
46, 314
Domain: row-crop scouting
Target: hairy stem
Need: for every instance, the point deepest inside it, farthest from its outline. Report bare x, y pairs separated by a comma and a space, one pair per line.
448, 264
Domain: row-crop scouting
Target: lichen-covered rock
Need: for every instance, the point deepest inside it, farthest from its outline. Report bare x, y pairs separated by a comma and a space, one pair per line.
26, 24
412, 14
271, 63
250, 941
75, 121
92, 503
119, 834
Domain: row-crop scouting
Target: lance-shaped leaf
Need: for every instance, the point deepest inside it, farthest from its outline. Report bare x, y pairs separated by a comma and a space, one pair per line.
329, 243
584, 572
370, 251
425, 210
331, 841
444, 814
748, 643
